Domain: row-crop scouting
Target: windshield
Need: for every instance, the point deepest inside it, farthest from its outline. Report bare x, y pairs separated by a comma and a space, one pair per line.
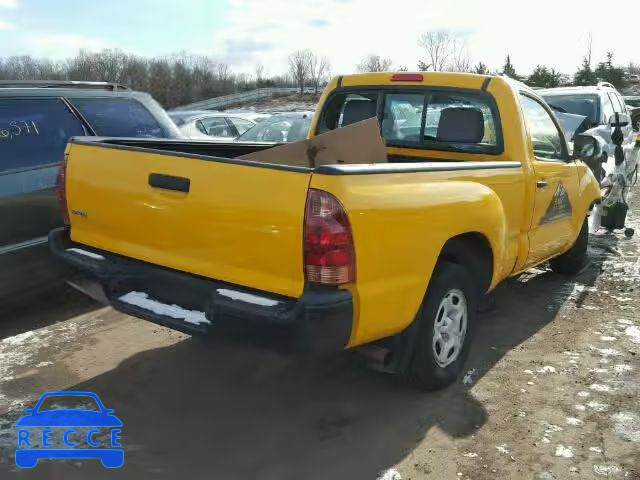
278, 129
585, 105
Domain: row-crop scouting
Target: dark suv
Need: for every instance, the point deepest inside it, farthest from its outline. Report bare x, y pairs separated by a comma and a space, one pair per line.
36, 120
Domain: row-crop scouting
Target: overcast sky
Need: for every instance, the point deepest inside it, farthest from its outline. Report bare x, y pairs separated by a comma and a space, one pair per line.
244, 32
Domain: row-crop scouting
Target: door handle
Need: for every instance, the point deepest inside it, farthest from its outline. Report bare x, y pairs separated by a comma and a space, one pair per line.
169, 182
542, 184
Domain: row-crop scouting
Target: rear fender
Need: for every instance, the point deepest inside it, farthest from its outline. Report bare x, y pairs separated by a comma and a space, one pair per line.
400, 227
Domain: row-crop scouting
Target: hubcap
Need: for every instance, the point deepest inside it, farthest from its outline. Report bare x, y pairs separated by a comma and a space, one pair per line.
450, 328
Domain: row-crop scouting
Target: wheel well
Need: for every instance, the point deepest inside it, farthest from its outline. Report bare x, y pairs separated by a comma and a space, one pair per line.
472, 251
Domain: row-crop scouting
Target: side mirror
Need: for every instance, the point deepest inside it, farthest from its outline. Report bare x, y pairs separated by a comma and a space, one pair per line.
109, 411
619, 120
586, 148
29, 411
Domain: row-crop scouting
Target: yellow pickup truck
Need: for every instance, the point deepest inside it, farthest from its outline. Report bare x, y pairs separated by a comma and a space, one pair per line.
478, 186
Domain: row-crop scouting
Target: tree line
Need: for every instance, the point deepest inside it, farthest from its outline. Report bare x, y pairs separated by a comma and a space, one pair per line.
446, 51
182, 78
173, 80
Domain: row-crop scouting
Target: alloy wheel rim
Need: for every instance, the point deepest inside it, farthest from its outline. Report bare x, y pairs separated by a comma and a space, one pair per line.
450, 328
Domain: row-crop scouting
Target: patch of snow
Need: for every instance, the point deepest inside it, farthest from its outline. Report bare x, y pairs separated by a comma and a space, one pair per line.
606, 352
574, 421
624, 321
589, 307
522, 414
79, 251
583, 394
627, 425
622, 368
503, 449
468, 377
18, 339
530, 383
564, 452
546, 440
606, 470
622, 299
470, 455
597, 406
142, 300
551, 428
530, 372
547, 369
595, 449
633, 333
391, 474
248, 298
597, 387
598, 370
44, 364
607, 338
580, 408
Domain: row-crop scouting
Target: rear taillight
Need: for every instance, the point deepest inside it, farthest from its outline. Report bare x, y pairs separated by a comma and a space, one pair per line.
61, 190
329, 256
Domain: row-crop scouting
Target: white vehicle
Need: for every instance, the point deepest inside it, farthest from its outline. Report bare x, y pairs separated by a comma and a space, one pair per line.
213, 126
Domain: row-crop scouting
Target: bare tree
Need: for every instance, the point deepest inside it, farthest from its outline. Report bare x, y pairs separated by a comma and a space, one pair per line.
259, 71
460, 58
300, 67
374, 63
438, 49
319, 70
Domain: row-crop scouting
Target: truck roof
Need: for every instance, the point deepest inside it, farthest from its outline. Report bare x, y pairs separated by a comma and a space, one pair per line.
462, 80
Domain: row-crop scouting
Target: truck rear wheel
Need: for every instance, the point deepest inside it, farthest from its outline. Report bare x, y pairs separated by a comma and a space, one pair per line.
440, 343
573, 260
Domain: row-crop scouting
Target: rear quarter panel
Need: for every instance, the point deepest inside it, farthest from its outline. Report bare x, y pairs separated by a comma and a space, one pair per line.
401, 222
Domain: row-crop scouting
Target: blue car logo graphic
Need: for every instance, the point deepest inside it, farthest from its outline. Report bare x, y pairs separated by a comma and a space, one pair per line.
36, 432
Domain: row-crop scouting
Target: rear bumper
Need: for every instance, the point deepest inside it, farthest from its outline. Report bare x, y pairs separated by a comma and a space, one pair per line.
320, 320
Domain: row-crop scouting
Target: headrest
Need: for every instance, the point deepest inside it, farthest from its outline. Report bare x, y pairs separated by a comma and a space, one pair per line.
358, 110
461, 125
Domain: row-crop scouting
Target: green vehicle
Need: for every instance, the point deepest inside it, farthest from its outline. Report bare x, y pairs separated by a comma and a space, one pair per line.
37, 118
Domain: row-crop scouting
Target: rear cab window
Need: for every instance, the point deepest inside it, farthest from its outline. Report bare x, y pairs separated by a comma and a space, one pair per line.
119, 117
34, 132
425, 118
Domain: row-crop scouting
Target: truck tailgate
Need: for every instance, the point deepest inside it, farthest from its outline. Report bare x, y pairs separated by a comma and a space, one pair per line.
227, 220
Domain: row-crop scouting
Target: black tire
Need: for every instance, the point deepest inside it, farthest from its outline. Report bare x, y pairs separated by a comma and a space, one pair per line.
420, 367
572, 261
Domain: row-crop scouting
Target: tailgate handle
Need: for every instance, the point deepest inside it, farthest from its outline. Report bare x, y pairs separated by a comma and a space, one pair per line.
169, 182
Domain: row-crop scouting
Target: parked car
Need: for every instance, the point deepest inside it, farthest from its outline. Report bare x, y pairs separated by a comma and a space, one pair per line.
397, 252
279, 128
36, 121
213, 126
599, 104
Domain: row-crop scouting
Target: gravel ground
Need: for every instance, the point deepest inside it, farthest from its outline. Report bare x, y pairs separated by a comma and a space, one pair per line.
550, 391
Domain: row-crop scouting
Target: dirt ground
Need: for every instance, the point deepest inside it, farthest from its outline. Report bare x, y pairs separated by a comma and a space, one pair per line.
551, 391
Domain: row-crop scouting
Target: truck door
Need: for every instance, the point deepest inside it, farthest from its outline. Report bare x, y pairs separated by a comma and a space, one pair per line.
553, 222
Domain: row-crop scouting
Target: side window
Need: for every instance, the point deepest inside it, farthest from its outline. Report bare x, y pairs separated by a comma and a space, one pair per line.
119, 117
545, 136
616, 103
34, 131
607, 109
241, 124
216, 127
